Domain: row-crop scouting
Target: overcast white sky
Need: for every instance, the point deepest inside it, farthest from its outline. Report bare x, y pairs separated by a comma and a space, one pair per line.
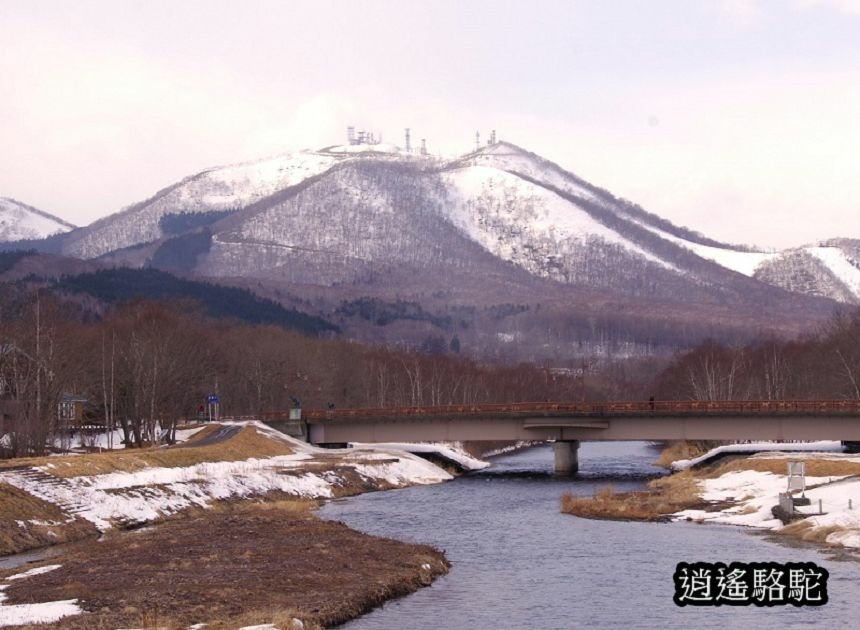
737, 118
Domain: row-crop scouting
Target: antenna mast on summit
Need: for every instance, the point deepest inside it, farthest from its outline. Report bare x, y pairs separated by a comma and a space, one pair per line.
408, 147
492, 137
423, 146
477, 141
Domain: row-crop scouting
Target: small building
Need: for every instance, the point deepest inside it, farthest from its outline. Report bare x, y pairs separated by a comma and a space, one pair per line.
70, 409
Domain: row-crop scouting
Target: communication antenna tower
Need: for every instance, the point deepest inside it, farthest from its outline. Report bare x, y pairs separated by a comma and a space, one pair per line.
493, 137
477, 140
408, 147
350, 135
423, 146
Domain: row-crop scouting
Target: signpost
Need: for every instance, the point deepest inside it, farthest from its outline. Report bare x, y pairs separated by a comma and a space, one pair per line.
213, 404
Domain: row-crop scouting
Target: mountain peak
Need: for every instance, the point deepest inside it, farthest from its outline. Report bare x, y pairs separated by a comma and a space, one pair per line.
19, 221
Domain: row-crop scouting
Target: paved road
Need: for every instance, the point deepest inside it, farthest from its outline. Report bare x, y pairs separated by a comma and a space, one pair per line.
223, 434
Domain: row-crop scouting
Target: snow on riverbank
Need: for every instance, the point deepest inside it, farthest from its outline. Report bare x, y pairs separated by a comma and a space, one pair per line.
449, 451
750, 496
47, 612
758, 447
130, 498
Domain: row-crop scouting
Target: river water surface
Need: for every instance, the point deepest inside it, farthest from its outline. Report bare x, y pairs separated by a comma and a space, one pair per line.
517, 562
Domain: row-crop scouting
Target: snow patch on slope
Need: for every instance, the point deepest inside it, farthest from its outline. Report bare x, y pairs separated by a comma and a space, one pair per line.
19, 221
512, 218
451, 451
222, 188
508, 157
837, 261
740, 261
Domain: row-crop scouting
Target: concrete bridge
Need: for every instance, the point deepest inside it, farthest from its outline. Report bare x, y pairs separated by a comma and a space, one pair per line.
569, 423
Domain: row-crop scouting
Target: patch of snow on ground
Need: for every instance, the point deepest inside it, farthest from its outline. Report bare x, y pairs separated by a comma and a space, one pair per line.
111, 440
36, 571
47, 612
447, 451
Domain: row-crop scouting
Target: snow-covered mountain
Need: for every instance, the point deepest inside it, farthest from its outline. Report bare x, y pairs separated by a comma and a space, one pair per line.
343, 212
221, 189
375, 204
503, 250
18, 221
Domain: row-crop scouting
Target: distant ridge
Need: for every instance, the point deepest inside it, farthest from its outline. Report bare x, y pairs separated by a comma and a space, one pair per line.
19, 221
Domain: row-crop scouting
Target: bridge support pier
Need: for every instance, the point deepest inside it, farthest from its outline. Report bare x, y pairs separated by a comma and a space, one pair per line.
566, 457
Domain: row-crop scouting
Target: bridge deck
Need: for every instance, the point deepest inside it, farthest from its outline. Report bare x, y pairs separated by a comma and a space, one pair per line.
657, 420
555, 409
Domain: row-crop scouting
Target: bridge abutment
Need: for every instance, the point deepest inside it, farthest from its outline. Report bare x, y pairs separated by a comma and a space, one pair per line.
566, 457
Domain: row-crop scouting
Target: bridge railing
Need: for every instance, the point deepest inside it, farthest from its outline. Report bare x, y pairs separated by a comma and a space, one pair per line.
675, 407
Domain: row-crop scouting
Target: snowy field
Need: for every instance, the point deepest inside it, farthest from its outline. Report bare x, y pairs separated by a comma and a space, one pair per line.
751, 494
134, 498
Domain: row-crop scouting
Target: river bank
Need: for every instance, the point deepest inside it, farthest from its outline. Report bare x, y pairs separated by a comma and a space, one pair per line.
234, 565
220, 526
742, 490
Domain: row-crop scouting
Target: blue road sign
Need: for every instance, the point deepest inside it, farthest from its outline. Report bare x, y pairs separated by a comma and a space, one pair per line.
212, 399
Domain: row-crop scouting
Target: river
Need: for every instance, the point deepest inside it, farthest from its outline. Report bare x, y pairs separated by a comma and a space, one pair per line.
517, 562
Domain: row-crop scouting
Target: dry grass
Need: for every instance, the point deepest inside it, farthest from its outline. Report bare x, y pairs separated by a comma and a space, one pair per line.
665, 496
815, 467
805, 530
274, 501
242, 564
245, 444
52, 526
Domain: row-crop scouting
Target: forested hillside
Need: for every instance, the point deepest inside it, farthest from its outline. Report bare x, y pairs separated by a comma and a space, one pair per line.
820, 366
118, 286
145, 363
